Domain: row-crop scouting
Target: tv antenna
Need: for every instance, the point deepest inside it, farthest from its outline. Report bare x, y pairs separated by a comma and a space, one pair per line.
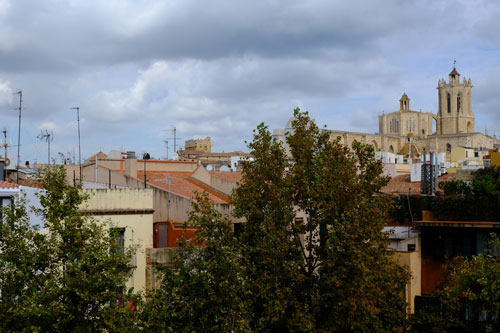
166, 143
48, 137
77, 108
20, 93
174, 130
5, 144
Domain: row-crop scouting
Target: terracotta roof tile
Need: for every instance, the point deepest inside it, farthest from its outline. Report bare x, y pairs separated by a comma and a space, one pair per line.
234, 177
183, 185
7, 185
401, 184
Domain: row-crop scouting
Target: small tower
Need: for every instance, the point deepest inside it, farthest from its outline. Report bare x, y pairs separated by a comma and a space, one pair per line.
455, 109
404, 103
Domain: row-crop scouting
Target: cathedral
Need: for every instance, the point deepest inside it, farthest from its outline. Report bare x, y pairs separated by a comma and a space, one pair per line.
452, 126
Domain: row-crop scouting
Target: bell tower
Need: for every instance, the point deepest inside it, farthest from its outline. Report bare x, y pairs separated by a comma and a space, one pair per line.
455, 108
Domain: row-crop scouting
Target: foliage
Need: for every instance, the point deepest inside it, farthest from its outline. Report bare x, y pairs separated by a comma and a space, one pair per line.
68, 277
477, 200
204, 290
409, 208
468, 297
311, 255
330, 269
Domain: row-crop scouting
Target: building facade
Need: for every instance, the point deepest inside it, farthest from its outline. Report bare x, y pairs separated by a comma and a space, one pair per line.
452, 126
204, 145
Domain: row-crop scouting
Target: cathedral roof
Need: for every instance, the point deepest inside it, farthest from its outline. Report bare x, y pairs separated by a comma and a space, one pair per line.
411, 149
454, 71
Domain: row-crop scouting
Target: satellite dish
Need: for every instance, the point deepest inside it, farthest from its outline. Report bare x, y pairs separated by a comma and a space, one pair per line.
210, 168
7, 161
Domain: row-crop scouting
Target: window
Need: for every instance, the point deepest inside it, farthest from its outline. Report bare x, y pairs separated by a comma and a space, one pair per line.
450, 242
448, 147
458, 104
4, 202
119, 235
449, 103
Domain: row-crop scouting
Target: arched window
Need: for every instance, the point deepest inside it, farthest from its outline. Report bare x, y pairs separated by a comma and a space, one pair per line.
448, 102
448, 147
458, 104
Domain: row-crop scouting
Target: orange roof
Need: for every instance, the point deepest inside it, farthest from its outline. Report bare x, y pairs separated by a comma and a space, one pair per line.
183, 185
401, 184
7, 186
234, 177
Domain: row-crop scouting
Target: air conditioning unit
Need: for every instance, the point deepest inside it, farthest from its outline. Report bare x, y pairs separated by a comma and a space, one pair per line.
10, 163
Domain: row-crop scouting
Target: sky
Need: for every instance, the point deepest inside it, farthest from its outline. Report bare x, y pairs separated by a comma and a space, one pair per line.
139, 68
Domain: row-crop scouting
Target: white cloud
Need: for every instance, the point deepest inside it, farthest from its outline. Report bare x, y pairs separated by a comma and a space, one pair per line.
5, 93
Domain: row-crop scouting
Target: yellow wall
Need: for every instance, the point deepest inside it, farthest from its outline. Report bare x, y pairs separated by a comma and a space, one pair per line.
495, 158
131, 209
403, 169
413, 261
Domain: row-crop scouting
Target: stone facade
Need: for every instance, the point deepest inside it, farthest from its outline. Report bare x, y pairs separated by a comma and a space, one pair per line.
454, 123
199, 144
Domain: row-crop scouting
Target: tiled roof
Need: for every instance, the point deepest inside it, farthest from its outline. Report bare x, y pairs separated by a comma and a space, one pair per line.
182, 185
234, 177
7, 186
401, 184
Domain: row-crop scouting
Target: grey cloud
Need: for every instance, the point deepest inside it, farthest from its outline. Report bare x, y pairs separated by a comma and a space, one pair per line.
219, 68
92, 33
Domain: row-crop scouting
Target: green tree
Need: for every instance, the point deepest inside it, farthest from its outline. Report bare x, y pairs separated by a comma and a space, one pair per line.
477, 200
204, 289
311, 255
329, 270
468, 297
70, 276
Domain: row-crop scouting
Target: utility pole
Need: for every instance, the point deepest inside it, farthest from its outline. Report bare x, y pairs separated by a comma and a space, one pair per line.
20, 93
77, 108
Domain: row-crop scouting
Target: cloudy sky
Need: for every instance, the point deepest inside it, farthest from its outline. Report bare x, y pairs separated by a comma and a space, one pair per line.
137, 68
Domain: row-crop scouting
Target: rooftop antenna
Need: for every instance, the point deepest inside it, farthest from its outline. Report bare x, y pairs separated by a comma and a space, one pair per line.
174, 130
77, 108
48, 137
166, 143
5, 145
20, 93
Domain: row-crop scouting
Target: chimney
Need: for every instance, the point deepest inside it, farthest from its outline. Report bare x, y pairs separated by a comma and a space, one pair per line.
131, 164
